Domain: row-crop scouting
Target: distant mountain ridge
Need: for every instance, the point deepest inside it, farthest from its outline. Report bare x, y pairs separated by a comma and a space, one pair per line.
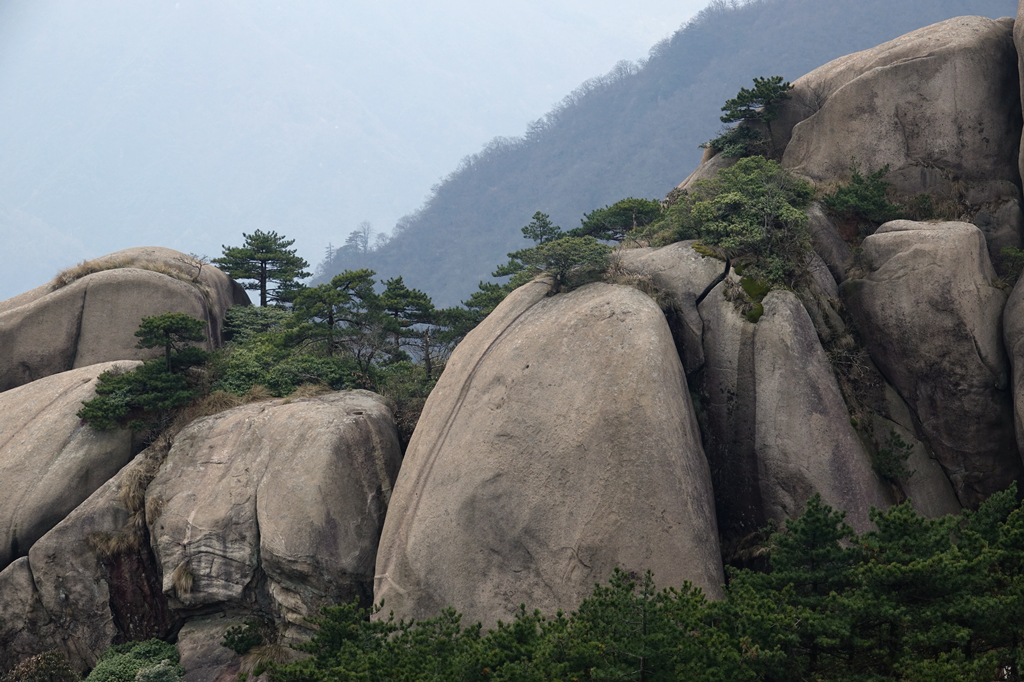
633, 132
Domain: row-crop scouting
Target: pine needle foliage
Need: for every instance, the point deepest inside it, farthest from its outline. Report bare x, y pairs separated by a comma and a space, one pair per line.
913, 599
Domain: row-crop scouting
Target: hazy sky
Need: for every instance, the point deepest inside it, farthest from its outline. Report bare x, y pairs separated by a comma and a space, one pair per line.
183, 124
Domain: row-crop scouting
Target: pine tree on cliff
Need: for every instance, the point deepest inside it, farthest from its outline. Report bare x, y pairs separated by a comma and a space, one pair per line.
265, 258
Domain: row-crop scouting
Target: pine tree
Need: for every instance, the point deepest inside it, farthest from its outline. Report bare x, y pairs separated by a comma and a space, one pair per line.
265, 259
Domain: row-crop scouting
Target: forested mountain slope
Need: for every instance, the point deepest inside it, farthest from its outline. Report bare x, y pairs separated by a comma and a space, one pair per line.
632, 132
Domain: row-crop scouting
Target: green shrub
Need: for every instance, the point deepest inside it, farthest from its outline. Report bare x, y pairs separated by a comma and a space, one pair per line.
570, 261
137, 399
751, 213
613, 223
1011, 263
164, 671
281, 371
243, 323
892, 459
123, 662
739, 142
865, 198
407, 387
254, 632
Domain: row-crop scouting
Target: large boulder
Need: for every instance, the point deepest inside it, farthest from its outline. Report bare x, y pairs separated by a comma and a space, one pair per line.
777, 429
930, 316
803, 438
686, 277
1018, 42
25, 628
275, 506
201, 653
93, 317
95, 574
1013, 336
49, 461
939, 106
559, 444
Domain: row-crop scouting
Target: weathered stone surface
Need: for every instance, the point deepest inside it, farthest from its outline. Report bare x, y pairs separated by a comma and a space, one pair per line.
776, 427
729, 413
95, 573
928, 488
201, 653
1013, 336
559, 443
1018, 42
708, 168
940, 106
943, 96
930, 318
93, 319
293, 491
827, 242
686, 276
804, 442
25, 628
49, 461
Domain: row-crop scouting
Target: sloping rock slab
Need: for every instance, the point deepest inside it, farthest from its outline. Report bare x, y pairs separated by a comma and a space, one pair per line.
803, 437
93, 319
559, 443
49, 461
95, 573
278, 501
777, 430
930, 318
25, 628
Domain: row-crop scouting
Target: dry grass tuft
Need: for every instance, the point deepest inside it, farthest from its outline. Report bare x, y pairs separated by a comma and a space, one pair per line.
310, 391
182, 579
132, 493
87, 267
262, 655
258, 393
178, 270
154, 508
618, 273
209, 405
114, 544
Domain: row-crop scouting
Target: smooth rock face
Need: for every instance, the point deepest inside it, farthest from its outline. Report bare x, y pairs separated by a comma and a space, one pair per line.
1013, 336
927, 488
708, 169
559, 443
293, 491
1018, 42
777, 428
49, 461
93, 319
940, 106
804, 442
943, 95
686, 276
201, 653
97, 597
827, 242
25, 629
930, 318
729, 414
